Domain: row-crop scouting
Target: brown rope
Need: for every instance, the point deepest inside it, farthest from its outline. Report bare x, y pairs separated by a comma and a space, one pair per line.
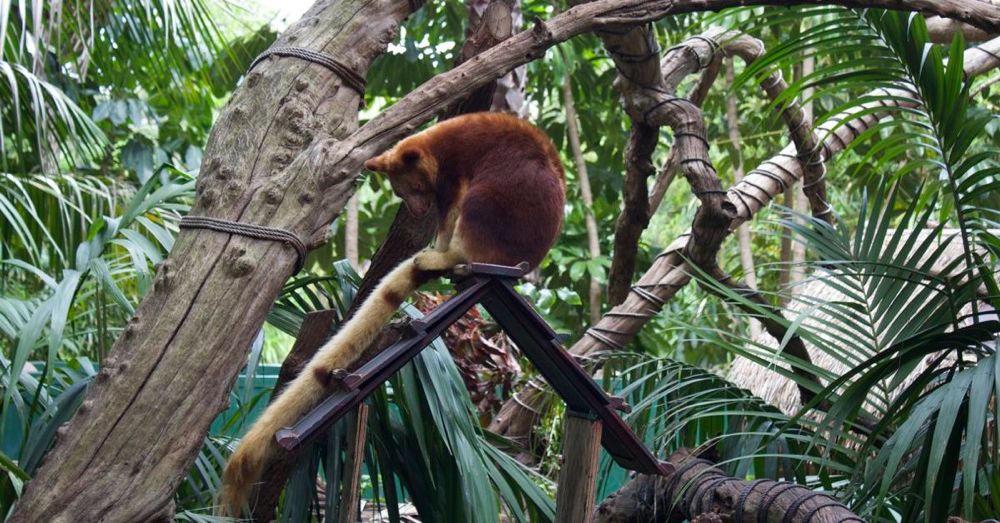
350, 78
258, 232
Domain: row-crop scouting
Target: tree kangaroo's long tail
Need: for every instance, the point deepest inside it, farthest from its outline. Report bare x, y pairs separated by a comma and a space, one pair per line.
258, 446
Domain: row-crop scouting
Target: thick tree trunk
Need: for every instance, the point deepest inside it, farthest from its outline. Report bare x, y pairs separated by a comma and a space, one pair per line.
168, 375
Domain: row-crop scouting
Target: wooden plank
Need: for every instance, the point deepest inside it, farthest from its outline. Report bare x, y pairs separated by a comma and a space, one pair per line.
357, 427
573, 384
372, 374
577, 479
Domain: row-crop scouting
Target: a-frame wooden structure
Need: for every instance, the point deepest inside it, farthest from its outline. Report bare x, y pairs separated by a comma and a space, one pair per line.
592, 418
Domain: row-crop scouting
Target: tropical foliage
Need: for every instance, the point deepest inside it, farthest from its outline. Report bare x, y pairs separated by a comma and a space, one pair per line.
104, 109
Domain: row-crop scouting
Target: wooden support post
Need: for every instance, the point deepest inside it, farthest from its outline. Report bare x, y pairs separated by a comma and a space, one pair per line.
577, 479
357, 430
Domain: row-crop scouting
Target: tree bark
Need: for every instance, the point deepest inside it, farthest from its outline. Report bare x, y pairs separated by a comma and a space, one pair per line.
636, 213
943, 30
702, 493
508, 94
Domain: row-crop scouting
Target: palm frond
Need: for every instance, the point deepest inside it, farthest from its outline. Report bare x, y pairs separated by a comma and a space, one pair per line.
678, 405
94, 261
59, 57
893, 336
49, 215
41, 128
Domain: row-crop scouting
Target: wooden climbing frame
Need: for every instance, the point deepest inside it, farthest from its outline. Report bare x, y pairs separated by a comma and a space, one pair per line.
592, 415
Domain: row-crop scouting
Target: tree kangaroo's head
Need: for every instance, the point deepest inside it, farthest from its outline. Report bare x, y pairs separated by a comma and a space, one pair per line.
412, 172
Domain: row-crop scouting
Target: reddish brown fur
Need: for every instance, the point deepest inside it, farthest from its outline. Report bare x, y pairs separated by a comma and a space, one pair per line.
502, 174
498, 185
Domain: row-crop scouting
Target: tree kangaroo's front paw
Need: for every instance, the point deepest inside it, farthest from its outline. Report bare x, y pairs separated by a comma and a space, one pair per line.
432, 261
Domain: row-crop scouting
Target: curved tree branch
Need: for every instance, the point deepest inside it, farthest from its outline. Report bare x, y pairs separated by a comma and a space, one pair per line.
669, 271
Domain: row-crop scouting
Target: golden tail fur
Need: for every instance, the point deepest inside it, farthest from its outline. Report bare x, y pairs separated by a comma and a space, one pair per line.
258, 447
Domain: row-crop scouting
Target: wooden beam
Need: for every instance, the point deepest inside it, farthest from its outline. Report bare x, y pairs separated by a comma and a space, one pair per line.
577, 486
357, 427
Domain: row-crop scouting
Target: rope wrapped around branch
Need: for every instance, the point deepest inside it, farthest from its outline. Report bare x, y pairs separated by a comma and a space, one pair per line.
350, 78
248, 230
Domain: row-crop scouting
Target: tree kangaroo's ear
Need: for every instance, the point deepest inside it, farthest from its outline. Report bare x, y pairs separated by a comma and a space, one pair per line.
410, 157
380, 163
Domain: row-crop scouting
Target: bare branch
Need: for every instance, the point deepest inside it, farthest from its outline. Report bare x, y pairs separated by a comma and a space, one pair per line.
943, 30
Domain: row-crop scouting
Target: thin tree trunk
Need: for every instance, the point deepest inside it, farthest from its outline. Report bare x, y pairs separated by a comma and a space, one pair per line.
789, 200
351, 233
784, 267
793, 253
801, 205
593, 242
743, 231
